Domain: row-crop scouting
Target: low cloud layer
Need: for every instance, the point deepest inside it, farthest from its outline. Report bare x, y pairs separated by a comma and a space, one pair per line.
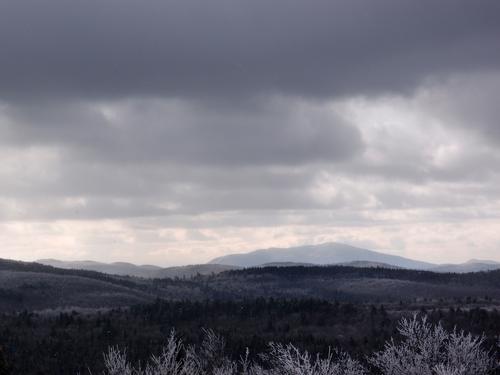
172, 132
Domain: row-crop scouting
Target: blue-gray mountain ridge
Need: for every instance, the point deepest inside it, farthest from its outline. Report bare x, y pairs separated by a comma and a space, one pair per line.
338, 253
324, 254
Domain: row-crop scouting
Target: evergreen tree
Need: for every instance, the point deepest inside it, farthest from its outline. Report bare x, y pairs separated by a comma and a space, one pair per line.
4, 368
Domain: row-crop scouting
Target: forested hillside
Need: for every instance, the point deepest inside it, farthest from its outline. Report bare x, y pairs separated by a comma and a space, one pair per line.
33, 286
51, 314
71, 342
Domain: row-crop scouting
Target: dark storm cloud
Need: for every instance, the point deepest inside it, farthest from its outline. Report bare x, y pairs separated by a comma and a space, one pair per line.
470, 102
187, 48
273, 133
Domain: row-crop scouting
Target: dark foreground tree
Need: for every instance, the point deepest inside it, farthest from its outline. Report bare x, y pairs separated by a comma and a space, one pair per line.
4, 367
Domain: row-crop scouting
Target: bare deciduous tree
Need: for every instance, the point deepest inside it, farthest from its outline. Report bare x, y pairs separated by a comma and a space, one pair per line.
288, 360
425, 349
430, 350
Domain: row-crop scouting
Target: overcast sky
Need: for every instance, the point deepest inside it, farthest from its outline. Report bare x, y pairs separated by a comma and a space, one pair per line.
171, 132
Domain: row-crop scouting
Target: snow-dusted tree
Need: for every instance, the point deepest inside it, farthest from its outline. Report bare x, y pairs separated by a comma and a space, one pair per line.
425, 349
288, 360
177, 360
116, 362
210, 358
169, 362
428, 349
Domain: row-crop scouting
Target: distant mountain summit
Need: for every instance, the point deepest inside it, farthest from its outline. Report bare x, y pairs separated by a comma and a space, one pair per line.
328, 253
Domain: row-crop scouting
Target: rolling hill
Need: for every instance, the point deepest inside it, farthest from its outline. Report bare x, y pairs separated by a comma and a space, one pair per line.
145, 271
33, 286
472, 265
117, 268
354, 283
193, 270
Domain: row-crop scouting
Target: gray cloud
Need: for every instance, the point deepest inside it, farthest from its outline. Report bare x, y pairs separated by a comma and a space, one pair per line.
467, 101
274, 133
246, 124
153, 157
228, 48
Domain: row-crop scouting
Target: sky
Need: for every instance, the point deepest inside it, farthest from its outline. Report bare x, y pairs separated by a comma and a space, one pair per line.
170, 132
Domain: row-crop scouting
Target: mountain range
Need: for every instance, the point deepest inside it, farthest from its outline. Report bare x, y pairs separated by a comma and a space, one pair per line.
342, 254
33, 286
323, 254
